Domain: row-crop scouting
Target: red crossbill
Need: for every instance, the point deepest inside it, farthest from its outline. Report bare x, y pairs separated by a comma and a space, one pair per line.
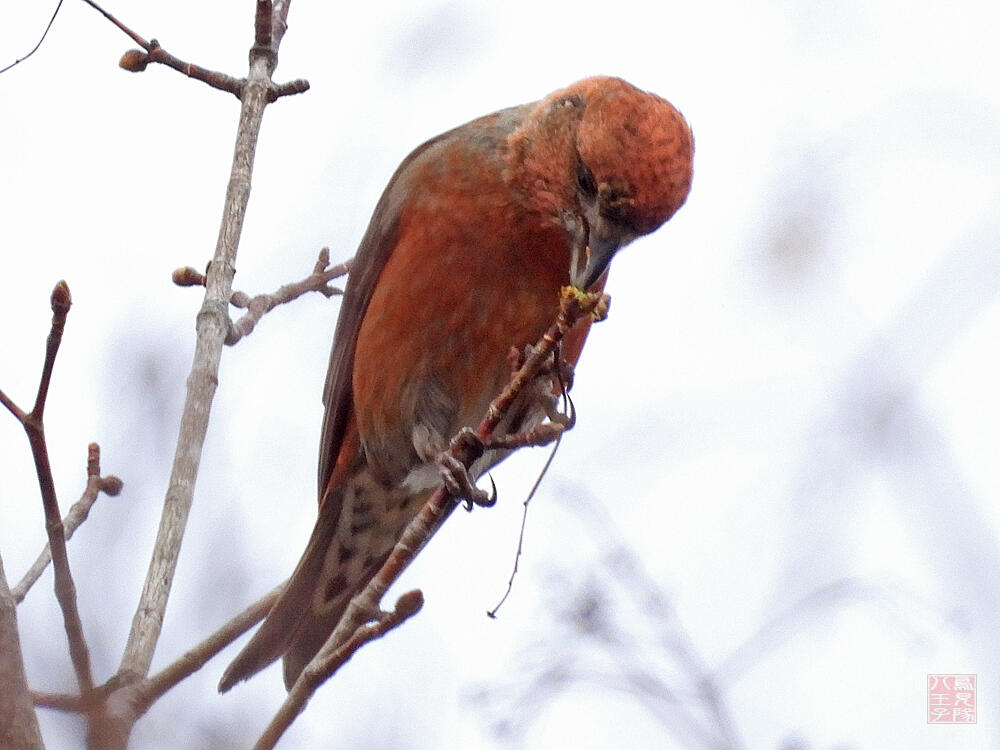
464, 257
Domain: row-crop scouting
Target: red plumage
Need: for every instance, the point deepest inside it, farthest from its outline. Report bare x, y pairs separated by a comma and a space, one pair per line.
464, 257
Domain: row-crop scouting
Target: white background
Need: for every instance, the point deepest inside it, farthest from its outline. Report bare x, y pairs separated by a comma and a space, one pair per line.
792, 409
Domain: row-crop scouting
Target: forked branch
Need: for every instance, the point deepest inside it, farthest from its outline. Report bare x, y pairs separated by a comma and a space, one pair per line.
33, 424
137, 60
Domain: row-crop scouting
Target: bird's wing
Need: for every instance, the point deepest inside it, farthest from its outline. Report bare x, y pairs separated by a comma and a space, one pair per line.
373, 253
376, 246
278, 631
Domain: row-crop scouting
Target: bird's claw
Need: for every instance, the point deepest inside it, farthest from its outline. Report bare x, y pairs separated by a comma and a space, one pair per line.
491, 499
459, 483
465, 448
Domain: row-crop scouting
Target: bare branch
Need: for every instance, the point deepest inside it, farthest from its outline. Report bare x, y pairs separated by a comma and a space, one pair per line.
58, 701
18, 722
96, 484
257, 307
13, 408
328, 662
34, 49
158, 684
492, 613
142, 694
33, 425
213, 326
136, 61
574, 306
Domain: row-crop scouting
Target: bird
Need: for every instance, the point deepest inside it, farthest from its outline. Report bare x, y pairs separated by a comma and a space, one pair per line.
464, 257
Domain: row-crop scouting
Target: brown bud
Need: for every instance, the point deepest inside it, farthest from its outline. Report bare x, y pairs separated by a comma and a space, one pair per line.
410, 603
111, 485
187, 276
61, 298
135, 61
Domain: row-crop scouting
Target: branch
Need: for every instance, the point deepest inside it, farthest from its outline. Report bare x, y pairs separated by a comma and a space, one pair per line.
34, 49
213, 326
327, 663
96, 484
114, 707
18, 722
142, 694
257, 307
33, 424
352, 631
150, 689
136, 61
557, 439
574, 305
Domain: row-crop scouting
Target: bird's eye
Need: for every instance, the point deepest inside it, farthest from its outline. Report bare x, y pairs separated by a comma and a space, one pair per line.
585, 180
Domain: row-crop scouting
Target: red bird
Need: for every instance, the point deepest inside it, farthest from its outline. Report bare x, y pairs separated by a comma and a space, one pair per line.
464, 257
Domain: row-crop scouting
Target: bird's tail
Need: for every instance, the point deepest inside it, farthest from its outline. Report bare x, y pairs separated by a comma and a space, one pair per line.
359, 522
280, 630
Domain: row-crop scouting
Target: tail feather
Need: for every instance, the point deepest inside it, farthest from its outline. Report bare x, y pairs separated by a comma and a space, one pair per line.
282, 624
310, 637
359, 522
308, 641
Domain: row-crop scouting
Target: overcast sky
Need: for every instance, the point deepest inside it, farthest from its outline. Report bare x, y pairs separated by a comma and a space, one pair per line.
791, 409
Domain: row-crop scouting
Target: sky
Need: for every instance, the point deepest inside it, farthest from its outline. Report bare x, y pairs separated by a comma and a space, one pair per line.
784, 471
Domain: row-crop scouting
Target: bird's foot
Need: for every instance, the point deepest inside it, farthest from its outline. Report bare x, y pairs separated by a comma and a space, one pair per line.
455, 475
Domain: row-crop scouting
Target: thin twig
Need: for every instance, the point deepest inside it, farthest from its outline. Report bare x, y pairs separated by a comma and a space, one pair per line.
325, 664
144, 693
42, 39
492, 613
58, 701
568, 422
136, 61
13, 408
150, 689
257, 307
96, 484
33, 424
574, 306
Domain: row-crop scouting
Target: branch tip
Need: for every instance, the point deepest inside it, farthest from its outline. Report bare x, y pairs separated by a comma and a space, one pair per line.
93, 460
61, 298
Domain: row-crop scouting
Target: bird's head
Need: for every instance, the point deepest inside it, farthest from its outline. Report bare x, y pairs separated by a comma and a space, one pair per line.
606, 161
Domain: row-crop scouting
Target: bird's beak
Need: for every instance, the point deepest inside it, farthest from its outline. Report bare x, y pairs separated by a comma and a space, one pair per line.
592, 260
593, 251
